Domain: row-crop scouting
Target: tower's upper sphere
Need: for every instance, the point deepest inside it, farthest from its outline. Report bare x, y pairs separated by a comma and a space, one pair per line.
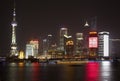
14, 23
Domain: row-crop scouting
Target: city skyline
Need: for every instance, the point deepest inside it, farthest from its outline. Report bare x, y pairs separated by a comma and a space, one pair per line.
38, 19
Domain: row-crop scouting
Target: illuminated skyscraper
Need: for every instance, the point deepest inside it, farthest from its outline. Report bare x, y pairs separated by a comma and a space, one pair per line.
14, 51
79, 43
44, 46
69, 45
103, 46
63, 31
35, 45
49, 42
86, 31
29, 51
93, 44
32, 49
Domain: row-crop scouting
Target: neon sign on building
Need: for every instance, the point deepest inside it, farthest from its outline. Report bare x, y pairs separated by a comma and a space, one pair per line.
93, 42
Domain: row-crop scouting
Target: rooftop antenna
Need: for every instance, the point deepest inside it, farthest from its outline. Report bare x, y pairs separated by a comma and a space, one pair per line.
14, 12
94, 23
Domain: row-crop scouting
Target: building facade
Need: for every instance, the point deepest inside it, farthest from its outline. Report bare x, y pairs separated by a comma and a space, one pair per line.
29, 51
32, 49
79, 44
45, 47
69, 46
93, 44
86, 31
103, 46
63, 31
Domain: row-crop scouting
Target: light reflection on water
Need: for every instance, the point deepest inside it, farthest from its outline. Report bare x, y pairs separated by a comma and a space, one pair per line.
91, 71
106, 71
35, 73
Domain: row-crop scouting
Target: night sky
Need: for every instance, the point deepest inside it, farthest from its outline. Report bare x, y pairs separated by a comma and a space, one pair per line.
38, 18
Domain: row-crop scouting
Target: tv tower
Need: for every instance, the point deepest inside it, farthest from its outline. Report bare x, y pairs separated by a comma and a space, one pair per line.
14, 51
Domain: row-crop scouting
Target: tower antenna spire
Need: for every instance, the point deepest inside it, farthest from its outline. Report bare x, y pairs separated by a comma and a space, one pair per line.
94, 23
14, 11
14, 51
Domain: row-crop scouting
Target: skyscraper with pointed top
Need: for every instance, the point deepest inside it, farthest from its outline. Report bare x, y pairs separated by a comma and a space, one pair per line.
86, 30
86, 24
14, 50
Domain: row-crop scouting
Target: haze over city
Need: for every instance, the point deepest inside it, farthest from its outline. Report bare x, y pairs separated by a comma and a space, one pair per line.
37, 19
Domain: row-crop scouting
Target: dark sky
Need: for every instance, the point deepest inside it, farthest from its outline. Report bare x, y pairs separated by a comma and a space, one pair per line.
38, 18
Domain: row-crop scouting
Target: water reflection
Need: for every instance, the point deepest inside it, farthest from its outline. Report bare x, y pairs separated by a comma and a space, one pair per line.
12, 72
106, 71
35, 73
21, 71
67, 73
92, 71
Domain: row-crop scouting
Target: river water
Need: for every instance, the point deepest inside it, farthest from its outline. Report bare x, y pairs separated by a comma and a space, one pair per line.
91, 71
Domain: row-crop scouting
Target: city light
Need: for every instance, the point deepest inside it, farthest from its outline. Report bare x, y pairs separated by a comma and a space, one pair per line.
93, 42
92, 33
59, 41
103, 49
67, 36
69, 43
21, 55
106, 45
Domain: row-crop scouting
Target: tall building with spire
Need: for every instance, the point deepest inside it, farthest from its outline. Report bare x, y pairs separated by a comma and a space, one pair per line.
86, 30
14, 50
